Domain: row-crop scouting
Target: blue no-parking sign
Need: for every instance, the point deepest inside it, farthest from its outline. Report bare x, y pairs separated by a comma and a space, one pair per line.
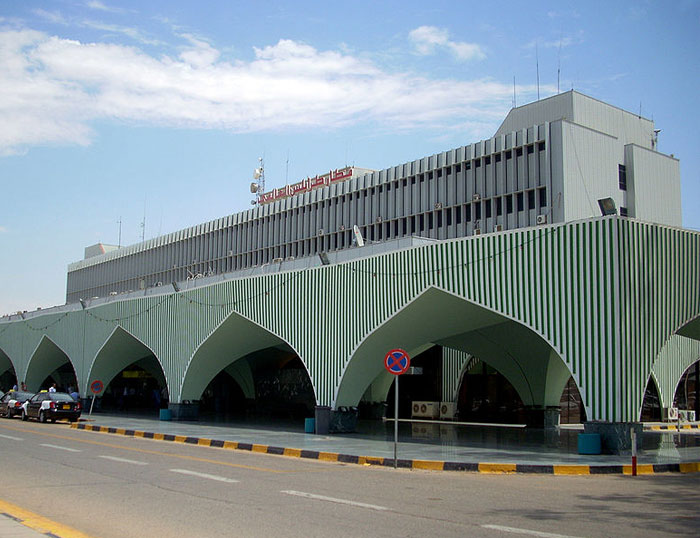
397, 361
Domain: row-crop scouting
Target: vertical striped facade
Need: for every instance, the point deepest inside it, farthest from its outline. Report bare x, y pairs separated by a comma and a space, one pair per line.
605, 294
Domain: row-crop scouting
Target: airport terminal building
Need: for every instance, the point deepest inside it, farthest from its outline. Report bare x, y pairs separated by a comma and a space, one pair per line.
549, 162
551, 253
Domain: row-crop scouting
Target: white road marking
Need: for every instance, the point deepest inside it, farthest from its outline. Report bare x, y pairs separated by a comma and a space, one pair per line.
515, 530
205, 475
124, 460
334, 500
62, 448
10, 437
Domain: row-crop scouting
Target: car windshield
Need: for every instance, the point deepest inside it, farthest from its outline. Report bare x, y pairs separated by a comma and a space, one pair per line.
61, 397
21, 396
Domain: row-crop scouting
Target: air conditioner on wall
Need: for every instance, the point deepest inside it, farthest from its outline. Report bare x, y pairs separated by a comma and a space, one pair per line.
541, 219
448, 410
438, 205
425, 410
669, 413
686, 415
476, 197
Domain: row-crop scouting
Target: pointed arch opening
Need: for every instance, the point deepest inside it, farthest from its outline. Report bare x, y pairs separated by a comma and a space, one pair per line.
8, 375
133, 378
527, 361
243, 372
651, 405
50, 365
686, 396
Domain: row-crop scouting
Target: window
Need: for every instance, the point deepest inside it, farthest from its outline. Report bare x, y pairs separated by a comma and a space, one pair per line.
468, 212
421, 220
499, 207
540, 146
509, 203
458, 168
530, 199
477, 211
498, 157
468, 166
520, 201
543, 197
477, 163
487, 160
487, 205
623, 211
518, 152
622, 177
439, 173
531, 149
458, 210
509, 154
449, 218
430, 221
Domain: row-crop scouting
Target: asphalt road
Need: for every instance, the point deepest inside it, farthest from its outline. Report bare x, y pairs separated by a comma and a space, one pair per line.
113, 486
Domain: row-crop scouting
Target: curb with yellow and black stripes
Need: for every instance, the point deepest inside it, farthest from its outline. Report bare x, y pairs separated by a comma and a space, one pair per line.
673, 427
429, 465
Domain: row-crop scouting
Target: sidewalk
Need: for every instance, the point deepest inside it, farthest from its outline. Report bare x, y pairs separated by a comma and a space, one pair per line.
425, 446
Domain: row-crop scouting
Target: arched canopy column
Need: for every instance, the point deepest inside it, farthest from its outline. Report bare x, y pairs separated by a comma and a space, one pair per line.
673, 360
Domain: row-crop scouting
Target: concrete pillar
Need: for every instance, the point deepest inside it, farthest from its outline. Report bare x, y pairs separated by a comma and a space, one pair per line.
322, 415
615, 437
543, 417
184, 411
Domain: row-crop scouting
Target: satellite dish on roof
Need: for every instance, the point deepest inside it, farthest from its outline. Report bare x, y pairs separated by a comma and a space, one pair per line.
258, 172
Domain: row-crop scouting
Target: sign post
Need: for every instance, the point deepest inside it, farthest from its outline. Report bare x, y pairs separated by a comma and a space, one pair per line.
396, 362
96, 387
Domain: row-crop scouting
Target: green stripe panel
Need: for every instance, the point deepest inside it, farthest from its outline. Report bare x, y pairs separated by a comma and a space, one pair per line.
606, 294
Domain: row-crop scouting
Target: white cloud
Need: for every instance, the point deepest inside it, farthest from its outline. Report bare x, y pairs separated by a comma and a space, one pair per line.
101, 6
427, 39
54, 88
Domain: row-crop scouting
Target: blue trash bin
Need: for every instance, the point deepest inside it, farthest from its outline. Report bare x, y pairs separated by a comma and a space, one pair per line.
309, 425
165, 414
589, 443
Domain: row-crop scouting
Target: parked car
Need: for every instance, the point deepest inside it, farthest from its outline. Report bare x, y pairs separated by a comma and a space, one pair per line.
11, 403
51, 406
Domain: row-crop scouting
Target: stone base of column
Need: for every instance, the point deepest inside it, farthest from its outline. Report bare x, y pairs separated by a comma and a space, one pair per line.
542, 417
343, 420
184, 410
615, 437
322, 419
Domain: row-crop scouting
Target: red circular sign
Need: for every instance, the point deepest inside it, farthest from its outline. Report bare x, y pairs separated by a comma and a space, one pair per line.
397, 361
96, 386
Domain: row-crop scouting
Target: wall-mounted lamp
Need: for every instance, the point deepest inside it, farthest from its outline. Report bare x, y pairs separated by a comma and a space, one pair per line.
607, 206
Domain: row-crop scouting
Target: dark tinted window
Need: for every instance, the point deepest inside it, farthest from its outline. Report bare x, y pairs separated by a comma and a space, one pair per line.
61, 397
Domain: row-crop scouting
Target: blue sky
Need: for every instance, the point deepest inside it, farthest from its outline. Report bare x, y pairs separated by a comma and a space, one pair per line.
111, 110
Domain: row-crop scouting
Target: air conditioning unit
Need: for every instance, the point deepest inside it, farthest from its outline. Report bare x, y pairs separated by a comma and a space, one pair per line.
277, 260
476, 197
498, 228
378, 219
438, 205
342, 227
541, 219
686, 415
669, 413
425, 410
448, 410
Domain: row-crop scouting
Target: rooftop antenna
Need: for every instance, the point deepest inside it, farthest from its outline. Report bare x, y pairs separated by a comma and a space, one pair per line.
143, 222
119, 245
257, 187
559, 65
286, 173
514, 104
537, 64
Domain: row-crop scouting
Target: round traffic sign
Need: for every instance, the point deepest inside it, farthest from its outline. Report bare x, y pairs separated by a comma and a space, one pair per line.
96, 386
397, 361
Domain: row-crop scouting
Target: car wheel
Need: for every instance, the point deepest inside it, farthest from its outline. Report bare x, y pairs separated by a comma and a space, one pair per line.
42, 416
24, 415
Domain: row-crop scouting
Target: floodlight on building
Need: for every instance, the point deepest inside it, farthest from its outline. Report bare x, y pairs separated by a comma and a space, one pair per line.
324, 258
175, 286
607, 206
83, 303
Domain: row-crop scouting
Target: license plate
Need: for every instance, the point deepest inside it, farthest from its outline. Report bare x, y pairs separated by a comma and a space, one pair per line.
66, 406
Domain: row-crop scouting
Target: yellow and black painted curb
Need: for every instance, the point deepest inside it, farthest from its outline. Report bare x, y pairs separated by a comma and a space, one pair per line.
673, 427
39, 523
428, 465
